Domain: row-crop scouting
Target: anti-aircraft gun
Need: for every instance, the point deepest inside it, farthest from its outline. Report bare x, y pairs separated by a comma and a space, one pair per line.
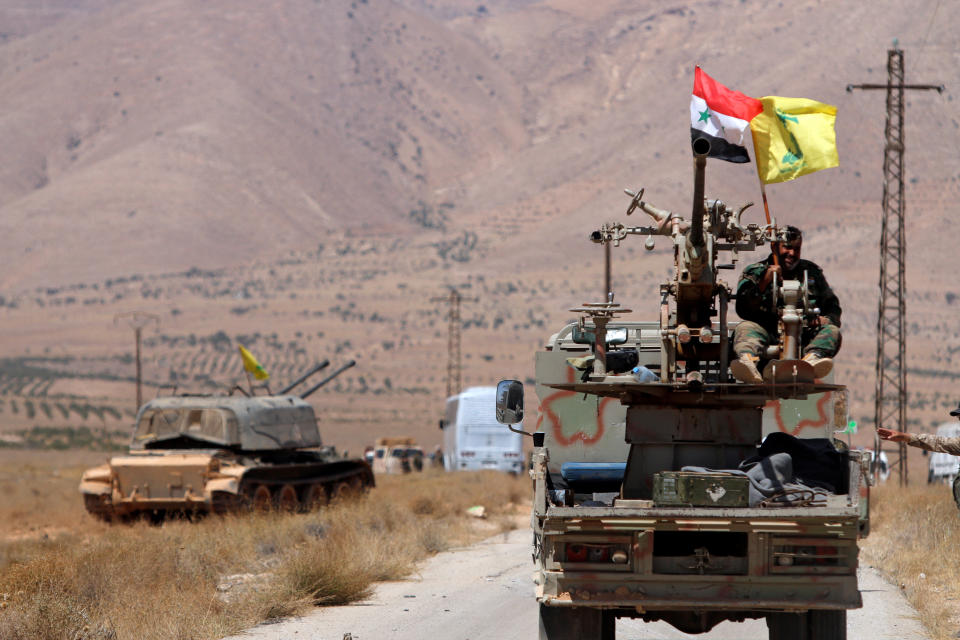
631, 516
198, 454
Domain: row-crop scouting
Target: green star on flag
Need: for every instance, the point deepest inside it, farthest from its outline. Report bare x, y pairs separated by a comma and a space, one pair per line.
704, 115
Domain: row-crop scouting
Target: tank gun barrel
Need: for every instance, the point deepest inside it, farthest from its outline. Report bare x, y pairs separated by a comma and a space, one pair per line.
330, 377
318, 367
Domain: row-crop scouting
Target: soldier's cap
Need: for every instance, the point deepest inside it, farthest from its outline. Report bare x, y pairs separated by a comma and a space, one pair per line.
956, 412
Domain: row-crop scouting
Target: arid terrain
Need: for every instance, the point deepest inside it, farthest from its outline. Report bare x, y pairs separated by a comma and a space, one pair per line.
305, 177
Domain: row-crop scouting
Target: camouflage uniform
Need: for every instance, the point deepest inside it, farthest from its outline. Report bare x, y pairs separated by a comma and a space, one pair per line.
930, 442
760, 320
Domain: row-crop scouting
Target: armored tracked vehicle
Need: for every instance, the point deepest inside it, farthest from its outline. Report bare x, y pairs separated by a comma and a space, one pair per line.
646, 501
202, 454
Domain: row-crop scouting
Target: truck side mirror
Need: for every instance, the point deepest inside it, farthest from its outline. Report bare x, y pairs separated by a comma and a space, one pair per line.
509, 402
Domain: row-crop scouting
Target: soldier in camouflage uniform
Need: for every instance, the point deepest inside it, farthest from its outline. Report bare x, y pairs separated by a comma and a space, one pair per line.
927, 441
820, 338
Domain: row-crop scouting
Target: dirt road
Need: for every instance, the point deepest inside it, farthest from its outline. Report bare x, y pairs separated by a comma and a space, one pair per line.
486, 593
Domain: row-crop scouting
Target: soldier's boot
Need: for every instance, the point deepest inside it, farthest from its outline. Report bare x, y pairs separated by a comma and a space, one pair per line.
821, 365
744, 369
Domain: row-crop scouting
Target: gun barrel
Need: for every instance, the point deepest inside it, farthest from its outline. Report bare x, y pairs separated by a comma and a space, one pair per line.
330, 377
292, 385
701, 147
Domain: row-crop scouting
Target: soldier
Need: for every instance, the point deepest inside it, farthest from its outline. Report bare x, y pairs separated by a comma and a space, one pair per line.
820, 338
926, 441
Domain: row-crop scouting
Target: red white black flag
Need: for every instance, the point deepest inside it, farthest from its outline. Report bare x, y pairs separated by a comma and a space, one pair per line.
723, 117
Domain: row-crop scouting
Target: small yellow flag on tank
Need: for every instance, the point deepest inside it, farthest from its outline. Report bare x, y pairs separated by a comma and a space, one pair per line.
250, 364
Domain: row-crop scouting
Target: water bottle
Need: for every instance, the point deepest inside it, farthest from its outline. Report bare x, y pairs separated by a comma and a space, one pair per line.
642, 374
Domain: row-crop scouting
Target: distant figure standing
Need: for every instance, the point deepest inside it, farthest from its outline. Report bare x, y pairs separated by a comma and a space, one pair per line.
927, 441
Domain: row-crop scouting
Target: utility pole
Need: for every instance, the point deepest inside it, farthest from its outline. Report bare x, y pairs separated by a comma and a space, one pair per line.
137, 320
890, 401
453, 339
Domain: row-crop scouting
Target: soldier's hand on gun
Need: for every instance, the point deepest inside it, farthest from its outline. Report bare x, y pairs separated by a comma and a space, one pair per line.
895, 436
768, 276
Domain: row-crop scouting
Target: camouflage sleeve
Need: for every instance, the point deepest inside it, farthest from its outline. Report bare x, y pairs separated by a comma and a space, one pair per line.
931, 442
824, 296
752, 304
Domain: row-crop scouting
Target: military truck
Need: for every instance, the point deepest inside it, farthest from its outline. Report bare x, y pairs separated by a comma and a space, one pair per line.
642, 507
201, 454
397, 455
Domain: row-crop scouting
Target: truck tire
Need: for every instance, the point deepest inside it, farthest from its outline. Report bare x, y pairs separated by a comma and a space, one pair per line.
576, 623
827, 624
818, 624
787, 626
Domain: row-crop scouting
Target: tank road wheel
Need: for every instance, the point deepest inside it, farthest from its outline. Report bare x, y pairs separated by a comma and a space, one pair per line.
223, 502
259, 498
286, 499
356, 485
342, 492
316, 497
575, 623
827, 624
99, 506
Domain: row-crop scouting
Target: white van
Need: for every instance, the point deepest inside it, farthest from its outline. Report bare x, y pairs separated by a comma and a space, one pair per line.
472, 437
943, 466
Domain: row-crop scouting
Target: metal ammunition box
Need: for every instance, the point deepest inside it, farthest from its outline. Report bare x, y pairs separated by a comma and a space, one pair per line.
684, 488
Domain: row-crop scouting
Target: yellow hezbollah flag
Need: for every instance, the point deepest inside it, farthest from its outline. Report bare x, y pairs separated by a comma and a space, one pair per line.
250, 364
793, 137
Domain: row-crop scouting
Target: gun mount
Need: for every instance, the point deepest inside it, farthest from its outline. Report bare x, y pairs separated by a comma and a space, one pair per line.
330, 377
696, 295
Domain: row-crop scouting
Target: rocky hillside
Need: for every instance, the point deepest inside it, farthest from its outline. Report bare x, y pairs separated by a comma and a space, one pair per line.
305, 176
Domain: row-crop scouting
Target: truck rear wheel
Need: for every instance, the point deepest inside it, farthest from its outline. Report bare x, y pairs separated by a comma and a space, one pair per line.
787, 626
818, 624
827, 624
576, 623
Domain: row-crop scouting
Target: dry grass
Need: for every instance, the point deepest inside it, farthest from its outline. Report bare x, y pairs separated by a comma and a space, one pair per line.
913, 542
221, 575
39, 490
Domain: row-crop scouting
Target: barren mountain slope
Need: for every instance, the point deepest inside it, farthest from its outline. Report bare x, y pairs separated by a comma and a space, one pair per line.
167, 133
303, 177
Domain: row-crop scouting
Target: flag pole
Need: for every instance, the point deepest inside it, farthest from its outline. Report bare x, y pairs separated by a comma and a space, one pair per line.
766, 210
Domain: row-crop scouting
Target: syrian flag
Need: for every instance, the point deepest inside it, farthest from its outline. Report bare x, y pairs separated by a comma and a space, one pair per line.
721, 116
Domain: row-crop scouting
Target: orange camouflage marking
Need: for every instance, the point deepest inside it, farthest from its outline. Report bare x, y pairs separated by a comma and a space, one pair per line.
556, 424
803, 424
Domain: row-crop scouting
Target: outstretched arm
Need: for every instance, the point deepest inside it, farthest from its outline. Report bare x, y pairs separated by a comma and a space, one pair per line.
895, 436
926, 441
